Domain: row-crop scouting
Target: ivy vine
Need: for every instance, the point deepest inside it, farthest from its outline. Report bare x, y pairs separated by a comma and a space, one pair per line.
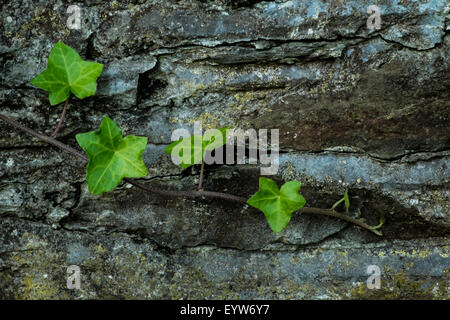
113, 159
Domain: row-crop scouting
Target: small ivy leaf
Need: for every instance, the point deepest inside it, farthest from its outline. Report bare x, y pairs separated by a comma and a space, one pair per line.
347, 201
277, 205
67, 72
111, 157
196, 146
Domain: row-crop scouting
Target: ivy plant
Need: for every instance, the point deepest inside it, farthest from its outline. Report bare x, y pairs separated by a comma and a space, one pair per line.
113, 158
277, 204
67, 72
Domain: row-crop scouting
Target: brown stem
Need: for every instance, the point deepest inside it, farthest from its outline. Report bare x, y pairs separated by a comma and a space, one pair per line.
61, 119
200, 179
332, 213
181, 193
189, 194
43, 137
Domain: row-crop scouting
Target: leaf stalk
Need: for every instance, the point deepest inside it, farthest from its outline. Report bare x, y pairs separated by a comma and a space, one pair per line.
66, 103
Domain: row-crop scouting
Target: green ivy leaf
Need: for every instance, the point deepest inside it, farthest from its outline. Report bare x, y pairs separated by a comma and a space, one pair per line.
67, 72
277, 205
197, 146
111, 157
347, 201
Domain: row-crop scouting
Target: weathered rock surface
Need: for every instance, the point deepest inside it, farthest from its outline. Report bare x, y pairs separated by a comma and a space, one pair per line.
362, 109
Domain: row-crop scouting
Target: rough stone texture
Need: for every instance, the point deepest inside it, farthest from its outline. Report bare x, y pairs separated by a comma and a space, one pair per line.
360, 109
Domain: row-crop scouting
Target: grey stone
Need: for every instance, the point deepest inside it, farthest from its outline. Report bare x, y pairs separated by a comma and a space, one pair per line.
119, 79
358, 109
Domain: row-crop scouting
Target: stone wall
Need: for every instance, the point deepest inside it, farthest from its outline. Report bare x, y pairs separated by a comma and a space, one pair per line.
358, 109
